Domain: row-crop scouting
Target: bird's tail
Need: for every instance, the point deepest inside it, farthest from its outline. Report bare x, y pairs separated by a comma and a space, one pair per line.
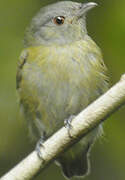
74, 162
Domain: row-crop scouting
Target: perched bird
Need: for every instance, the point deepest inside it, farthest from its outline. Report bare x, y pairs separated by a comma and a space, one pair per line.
60, 72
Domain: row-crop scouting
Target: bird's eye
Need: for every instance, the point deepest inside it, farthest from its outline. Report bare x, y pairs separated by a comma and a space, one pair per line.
59, 20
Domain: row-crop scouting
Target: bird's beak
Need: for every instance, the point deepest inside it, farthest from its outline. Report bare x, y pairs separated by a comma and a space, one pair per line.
85, 8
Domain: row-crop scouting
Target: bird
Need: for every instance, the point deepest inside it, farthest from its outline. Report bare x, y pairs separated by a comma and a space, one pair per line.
60, 72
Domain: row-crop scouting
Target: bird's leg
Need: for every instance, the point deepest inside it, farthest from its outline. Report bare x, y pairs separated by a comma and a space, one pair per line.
68, 125
40, 145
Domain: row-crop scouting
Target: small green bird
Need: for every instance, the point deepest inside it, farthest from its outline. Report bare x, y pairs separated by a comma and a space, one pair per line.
60, 72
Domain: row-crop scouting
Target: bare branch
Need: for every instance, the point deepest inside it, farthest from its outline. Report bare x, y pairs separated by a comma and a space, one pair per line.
82, 124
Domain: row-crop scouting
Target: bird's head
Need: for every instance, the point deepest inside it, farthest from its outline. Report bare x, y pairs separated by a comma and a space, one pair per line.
59, 23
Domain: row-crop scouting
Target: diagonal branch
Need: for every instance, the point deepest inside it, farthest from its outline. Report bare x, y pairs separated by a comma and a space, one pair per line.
82, 124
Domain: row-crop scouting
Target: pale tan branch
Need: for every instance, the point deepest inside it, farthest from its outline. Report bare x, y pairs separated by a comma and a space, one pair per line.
82, 124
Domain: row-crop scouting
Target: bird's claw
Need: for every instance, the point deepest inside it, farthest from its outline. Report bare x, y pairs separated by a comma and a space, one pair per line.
68, 125
40, 145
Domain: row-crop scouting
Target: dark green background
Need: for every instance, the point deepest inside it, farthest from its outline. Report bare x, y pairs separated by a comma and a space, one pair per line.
106, 25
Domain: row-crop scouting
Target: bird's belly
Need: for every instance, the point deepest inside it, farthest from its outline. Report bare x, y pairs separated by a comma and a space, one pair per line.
50, 98
57, 86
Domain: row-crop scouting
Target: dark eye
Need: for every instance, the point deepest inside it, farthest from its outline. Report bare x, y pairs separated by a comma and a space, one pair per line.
59, 20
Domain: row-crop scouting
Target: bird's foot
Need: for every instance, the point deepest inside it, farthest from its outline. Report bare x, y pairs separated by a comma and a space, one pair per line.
40, 145
68, 125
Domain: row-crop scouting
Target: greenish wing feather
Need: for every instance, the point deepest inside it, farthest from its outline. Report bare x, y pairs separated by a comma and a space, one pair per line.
21, 62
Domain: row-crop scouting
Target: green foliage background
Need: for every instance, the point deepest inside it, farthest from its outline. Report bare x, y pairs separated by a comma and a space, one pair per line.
106, 25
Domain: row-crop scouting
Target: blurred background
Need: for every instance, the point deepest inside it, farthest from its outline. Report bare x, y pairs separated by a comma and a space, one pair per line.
106, 25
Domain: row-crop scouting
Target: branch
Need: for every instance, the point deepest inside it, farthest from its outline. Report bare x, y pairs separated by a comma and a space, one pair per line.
81, 125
